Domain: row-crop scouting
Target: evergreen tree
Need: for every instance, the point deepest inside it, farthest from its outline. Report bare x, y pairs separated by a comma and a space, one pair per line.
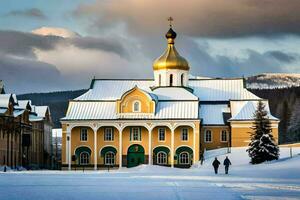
284, 121
294, 126
262, 146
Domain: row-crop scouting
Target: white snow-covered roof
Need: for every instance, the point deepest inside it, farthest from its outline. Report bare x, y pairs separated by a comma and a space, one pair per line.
244, 110
40, 110
213, 114
87, 110
34, 118
16, 113
99, 102
113, 89
3, 110
220, 89
22, 104
204, 89
174, 93
5, 99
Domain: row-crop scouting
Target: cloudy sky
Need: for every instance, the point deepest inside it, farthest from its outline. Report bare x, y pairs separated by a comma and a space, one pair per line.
57, 45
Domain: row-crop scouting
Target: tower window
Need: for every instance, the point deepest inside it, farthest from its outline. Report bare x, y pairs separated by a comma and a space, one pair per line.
171, 80
182, 79
159, 80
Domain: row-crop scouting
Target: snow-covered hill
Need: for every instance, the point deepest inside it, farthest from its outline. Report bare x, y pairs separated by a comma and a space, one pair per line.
273, 80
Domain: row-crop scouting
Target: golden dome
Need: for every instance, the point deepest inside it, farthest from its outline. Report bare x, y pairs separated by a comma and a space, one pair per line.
171, 59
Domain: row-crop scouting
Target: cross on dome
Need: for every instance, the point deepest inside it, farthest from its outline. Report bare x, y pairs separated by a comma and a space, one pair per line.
170, 19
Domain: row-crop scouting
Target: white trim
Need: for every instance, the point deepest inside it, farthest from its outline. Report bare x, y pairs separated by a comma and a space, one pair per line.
149, 147
211, 133
172, 148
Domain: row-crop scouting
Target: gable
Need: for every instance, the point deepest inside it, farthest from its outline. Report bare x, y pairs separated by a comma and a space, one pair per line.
133, 97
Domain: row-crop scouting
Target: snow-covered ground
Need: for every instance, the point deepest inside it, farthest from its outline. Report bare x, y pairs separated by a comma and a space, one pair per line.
274, 180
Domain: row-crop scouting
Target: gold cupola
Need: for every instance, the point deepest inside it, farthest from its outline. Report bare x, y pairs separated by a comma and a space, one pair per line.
171, 59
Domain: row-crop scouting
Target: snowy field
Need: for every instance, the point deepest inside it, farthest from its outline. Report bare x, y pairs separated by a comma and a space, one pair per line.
275, 180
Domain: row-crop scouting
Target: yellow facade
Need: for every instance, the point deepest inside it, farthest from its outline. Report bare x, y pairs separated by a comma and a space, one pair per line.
241, 133
125, 104
216, 137
192, 142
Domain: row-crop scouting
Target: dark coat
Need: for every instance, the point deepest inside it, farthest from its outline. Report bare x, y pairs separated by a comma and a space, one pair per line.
227, 162
216, 163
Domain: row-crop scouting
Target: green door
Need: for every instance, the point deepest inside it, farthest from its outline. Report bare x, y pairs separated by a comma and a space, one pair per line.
135, 155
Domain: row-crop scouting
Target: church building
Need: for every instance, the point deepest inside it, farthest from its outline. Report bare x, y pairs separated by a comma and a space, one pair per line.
169, 120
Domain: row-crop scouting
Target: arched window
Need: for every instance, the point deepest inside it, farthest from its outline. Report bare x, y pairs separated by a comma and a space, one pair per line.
109, 158
184, 158
182, 79
84, 158
171, 79
208, 136
136, 106
161, 158
159, 80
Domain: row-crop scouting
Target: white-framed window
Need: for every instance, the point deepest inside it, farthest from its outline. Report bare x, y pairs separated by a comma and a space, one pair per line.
223, 136
208, 136
161, 134
184, 158
108, 134
83, 134
136, 106
184, 134
84, 158
109, 158
161, 158
135, 134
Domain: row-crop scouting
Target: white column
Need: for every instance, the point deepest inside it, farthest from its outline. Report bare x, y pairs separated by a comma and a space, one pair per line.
172, 148
69, 139
194, 146
95, 149
120, 148
150, 147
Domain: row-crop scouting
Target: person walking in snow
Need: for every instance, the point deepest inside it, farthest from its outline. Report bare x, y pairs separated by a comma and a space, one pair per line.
226, 164
201, 158
216, 164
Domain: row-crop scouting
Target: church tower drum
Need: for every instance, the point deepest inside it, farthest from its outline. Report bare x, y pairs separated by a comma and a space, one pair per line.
171, 69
